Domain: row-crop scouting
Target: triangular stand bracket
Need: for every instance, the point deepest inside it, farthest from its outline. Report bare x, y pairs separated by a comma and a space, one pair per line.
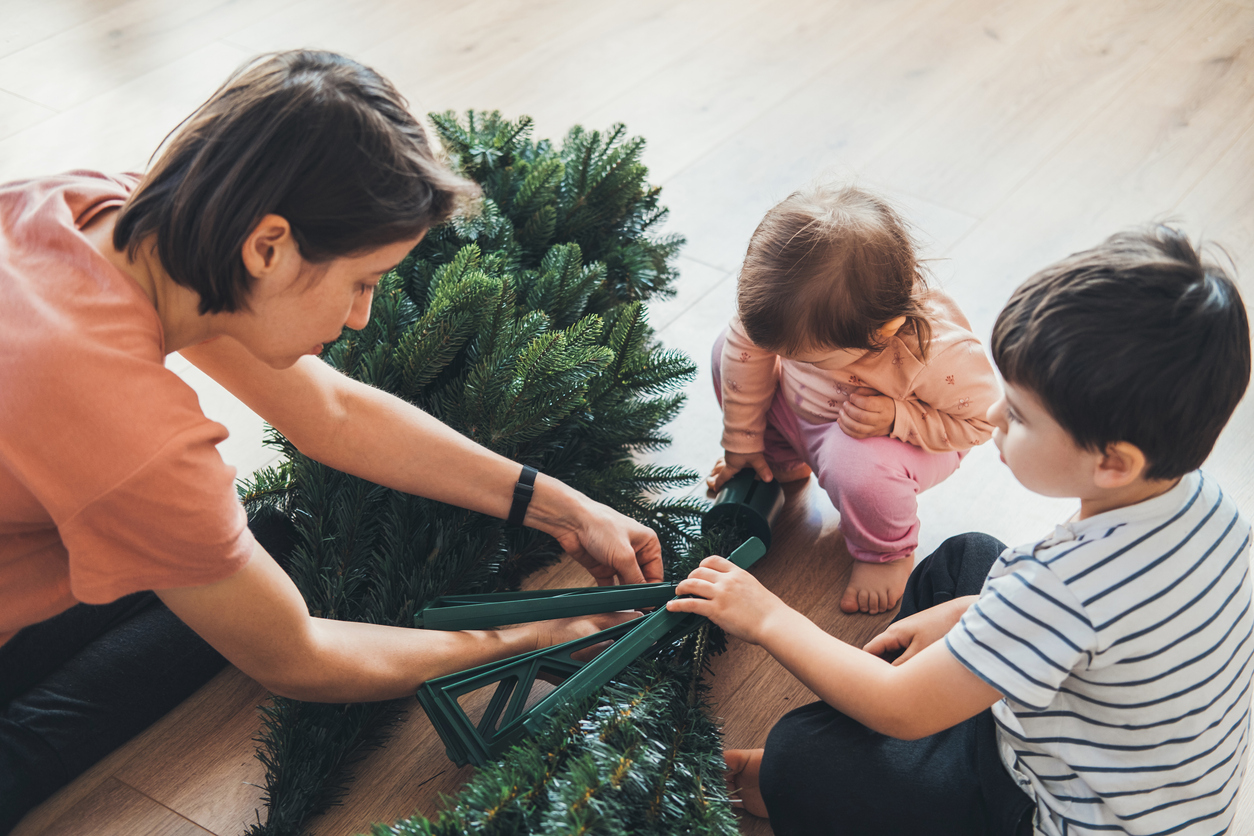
505, 720
482, 612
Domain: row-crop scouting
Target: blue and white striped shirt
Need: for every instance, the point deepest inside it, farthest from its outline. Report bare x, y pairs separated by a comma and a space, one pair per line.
1122, 645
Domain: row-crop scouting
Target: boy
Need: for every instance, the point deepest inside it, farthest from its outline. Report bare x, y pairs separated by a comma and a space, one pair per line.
1115, 654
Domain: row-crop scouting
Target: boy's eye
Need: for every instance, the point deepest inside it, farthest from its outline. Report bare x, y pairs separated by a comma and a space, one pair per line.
1012, 415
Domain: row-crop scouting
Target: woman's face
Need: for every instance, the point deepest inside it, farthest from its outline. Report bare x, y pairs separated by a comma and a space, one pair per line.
295, 307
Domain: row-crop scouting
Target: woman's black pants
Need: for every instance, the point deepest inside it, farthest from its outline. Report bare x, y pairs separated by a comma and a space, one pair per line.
77, 686
824, 773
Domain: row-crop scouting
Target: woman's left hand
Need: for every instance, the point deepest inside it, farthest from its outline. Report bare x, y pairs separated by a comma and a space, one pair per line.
610, 545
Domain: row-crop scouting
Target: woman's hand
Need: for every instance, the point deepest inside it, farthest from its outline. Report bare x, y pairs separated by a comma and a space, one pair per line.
561, 630
867, 414
610, 545
729, 464
730, 597
913, 633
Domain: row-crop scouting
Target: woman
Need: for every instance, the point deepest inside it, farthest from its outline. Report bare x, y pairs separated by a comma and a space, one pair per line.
257, 236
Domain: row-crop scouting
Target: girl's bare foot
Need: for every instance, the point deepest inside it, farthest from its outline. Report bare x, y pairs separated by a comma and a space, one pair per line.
743, 766
876, 587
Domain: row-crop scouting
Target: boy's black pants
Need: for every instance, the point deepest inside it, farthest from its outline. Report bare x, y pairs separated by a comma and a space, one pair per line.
77, 686
824, 773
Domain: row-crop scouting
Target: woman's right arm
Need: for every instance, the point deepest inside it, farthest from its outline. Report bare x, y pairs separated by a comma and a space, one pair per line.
258, 620
366, 432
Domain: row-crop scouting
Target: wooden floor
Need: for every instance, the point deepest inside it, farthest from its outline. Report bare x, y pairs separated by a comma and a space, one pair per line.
1011, 132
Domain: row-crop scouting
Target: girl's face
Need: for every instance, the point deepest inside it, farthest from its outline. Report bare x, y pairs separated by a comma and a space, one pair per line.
296, 308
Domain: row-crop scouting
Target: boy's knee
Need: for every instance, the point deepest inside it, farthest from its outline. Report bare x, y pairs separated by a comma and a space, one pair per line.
975, 545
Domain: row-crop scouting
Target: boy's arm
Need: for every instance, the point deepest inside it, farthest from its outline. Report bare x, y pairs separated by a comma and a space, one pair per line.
930, 692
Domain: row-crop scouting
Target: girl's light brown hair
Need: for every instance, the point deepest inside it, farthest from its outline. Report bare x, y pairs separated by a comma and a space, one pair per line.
826, 268
314, 137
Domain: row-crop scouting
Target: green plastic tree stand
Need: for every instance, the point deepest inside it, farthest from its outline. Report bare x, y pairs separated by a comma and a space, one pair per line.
506, 719
748, 502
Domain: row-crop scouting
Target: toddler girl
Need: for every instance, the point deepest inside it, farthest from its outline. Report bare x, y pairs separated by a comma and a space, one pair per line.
842, 361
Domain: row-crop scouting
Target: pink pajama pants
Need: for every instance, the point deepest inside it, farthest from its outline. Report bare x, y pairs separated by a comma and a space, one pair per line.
873, 482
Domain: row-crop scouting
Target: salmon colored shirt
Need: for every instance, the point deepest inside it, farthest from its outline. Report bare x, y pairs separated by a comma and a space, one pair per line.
940, 402
110, 481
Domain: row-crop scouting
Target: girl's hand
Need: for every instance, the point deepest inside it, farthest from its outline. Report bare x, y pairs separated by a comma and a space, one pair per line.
730, 597
732, 463
913, 633
867, 414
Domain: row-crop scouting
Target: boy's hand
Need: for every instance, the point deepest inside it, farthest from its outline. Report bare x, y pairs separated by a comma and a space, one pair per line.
867, 414
730, 597
732, 463
915, 632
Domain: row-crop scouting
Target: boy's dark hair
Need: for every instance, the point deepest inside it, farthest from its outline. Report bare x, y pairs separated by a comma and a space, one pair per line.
314, 137
826, 268
1137, 340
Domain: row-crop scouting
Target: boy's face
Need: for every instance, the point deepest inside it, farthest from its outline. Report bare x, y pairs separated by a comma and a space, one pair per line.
1038, 451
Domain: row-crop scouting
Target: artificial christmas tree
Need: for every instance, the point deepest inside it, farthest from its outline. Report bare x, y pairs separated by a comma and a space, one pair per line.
522, 326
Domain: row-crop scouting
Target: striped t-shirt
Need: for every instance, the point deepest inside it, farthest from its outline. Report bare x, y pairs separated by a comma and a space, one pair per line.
1122, 645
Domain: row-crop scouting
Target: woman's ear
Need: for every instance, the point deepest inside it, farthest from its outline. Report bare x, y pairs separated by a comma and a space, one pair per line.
269, 248
1121, 464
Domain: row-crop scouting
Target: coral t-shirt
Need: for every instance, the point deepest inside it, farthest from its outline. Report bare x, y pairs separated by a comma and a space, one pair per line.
110, 480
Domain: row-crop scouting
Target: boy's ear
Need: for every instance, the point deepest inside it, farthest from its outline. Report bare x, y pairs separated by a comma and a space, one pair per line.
1121, 464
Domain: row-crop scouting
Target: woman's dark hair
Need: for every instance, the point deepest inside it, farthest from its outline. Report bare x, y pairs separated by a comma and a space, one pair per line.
1137, 340
313, 137
826, 268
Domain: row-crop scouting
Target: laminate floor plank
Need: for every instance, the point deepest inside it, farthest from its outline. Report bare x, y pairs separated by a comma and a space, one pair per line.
200, 759
541, 83
836, 123
118, 130
120, 45
694, 99
1131, 164
1006, 123
17, 113
114, 808
27, 23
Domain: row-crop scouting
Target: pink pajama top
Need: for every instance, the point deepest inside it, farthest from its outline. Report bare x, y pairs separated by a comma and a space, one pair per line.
940, 402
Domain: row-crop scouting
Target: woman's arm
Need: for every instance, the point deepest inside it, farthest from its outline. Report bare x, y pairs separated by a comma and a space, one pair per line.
361, 430
929, 692
257, 619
